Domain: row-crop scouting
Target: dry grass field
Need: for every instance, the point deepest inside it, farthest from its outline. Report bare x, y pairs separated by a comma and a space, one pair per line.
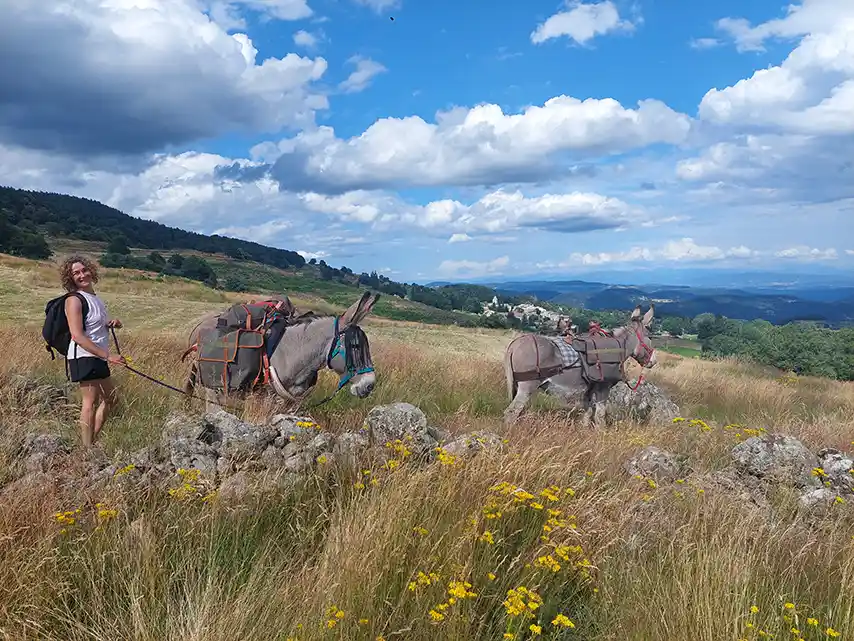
440, 552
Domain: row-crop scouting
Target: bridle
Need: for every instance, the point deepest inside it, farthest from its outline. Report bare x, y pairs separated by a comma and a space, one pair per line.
648, 353
357, 352
357, 360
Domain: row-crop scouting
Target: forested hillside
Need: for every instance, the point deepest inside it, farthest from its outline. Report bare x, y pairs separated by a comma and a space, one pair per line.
29, 220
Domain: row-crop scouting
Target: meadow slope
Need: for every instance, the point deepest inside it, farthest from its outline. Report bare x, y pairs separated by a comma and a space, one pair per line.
437, 552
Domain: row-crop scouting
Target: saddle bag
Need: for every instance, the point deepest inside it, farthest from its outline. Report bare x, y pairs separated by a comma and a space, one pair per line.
601, 358
231, 360
251, 316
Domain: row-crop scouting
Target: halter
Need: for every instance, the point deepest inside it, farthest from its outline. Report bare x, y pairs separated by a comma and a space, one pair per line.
356, 352
648, 352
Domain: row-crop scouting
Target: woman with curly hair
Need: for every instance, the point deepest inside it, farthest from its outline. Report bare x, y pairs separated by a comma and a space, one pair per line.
89, 357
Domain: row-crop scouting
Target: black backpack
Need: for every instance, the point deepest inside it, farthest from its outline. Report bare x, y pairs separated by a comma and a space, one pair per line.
55, 330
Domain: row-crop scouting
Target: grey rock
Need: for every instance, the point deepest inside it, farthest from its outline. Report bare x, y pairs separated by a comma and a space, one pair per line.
272, 458
237, 440
653, 462
292, 449
320, 444
821, 497
194, 454
297, 464
439, 435
750, 489
647, 404
470, 444
348, 447
147, 457
235, 488
287, 425
776, 458
47, 444
837, 465
401, 421
179, 425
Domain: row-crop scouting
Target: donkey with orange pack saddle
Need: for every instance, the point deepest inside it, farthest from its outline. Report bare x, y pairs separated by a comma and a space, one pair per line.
234, 355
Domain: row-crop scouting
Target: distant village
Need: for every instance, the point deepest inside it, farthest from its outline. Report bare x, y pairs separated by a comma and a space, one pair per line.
529, 315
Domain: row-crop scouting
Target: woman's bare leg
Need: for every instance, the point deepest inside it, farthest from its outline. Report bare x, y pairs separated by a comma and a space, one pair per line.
108, 396
90, 391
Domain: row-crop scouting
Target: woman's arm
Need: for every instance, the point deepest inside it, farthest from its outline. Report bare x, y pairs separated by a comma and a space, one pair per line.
74, 314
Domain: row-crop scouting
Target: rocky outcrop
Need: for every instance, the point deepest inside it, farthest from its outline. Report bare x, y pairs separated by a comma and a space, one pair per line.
759, 466
653, 462
196, 454
647, 404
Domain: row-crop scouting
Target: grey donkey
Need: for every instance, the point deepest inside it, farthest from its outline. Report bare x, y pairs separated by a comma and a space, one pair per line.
529, 353
307, 347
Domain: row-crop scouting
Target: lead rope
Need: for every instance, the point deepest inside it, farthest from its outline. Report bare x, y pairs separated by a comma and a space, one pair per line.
157, 381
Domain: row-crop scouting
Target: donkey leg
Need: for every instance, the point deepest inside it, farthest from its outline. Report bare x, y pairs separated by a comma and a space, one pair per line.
600, 398
190, 386
587, 417
211, 399
524, 391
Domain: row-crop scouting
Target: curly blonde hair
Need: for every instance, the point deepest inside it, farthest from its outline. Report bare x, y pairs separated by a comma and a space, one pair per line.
65, 275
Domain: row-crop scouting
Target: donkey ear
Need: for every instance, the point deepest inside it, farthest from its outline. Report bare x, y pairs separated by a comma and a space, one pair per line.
647, 318
636, 313
366, 308
350, 316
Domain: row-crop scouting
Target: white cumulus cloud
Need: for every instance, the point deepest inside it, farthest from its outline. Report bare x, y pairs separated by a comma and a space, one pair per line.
581, 22
473, 268
164, 73
480, 145
360, 78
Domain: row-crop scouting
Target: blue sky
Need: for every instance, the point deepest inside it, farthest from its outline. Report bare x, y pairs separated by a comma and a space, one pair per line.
457, 141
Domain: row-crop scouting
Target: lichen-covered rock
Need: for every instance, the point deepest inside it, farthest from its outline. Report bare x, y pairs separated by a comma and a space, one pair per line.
189, 453
179, 425
349, 446
653, 462
400, 421
41, 452
837, 467
470, 444
647, 404
821, 497
237, 440
777, 458
288, 425
750, 489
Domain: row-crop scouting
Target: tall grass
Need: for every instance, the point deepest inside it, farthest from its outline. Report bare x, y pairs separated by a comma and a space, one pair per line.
637, 560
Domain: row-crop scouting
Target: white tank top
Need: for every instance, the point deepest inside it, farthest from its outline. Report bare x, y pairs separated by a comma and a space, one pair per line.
95, 328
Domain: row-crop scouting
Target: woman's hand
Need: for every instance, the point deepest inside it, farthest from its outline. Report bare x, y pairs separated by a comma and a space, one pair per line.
115, 323
116, 360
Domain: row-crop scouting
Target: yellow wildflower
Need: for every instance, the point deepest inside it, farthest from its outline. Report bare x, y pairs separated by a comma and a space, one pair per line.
831, 632
562, 621
812, 621
487, 537
436, 616
535, 629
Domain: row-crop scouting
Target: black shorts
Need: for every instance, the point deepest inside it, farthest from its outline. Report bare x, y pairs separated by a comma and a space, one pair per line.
88, 368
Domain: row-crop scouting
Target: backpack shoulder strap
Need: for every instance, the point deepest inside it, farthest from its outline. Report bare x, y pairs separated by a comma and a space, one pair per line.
83, 302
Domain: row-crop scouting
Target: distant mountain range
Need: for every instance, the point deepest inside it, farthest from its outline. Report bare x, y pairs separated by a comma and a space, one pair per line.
801, 299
